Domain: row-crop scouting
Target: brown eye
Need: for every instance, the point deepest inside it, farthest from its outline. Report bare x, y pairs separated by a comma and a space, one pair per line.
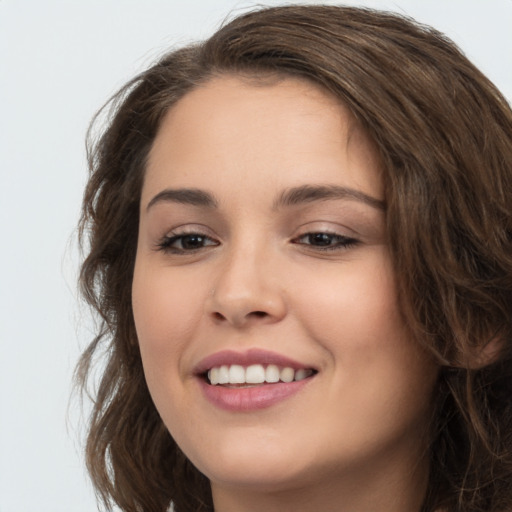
326, 241
191, 242
321, 239
184, 243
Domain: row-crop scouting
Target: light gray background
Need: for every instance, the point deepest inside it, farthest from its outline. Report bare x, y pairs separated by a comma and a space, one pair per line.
59, 61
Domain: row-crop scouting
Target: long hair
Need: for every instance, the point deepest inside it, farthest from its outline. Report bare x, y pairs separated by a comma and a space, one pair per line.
444, 134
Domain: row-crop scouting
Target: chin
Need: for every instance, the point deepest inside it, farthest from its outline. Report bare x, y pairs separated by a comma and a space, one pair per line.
258, 466
267, 477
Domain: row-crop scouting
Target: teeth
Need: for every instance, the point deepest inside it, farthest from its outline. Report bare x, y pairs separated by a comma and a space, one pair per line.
301, 374
287, 374
255, 374
213, 375
272, 373
236, 374
224, 374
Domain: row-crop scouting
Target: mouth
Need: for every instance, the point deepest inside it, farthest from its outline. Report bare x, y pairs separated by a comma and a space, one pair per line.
256, 379
238, 376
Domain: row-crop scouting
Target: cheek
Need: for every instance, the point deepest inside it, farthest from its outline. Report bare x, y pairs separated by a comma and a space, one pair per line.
355, 317
166, 312
353, 306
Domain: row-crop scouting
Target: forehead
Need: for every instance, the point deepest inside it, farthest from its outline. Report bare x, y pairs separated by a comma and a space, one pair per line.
288, 131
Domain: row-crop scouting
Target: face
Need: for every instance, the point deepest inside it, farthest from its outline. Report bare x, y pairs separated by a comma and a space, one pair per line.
264, 297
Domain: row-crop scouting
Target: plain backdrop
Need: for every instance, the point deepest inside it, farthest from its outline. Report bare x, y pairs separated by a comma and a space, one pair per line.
59, 61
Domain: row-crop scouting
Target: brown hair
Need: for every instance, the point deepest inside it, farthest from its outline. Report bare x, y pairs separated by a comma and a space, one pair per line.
444, 134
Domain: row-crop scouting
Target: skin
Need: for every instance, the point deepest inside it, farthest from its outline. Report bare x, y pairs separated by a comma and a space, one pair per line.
353, 438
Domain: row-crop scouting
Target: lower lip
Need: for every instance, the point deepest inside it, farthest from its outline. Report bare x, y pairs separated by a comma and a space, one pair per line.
251, 398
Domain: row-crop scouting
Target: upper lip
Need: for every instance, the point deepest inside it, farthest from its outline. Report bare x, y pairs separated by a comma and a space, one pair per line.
247, 358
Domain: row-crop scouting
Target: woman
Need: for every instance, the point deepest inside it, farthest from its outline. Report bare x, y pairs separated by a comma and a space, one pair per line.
300, 247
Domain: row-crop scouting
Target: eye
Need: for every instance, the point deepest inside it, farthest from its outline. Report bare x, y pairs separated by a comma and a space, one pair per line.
186, 243
325, 241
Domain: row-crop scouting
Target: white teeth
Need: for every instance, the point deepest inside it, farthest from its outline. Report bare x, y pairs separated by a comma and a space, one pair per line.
255, 374
236, 374
213, 375
224, 374
272, 373
287, 374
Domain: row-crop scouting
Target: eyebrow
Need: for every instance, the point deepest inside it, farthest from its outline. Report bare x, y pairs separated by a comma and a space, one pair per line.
311, 193
289, 197
192, 196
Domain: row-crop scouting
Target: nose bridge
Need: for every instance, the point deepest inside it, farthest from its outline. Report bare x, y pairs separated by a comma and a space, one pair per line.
247, 285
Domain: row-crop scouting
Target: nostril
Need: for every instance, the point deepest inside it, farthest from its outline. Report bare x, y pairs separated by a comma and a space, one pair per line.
253, 314
239, 318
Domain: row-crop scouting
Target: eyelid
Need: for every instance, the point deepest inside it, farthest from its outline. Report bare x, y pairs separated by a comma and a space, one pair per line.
325, 226
188, 229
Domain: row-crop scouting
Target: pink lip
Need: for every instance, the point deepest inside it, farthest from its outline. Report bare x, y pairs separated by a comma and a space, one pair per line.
246, 399
253, 398
251, 356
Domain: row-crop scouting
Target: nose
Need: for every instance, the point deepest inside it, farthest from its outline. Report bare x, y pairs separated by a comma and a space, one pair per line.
247, 290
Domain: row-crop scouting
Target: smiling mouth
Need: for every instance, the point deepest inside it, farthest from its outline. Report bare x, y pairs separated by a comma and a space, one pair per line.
236, 376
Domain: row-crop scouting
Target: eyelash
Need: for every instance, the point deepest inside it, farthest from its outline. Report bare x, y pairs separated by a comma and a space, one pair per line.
166, 243
341, 242
334, 241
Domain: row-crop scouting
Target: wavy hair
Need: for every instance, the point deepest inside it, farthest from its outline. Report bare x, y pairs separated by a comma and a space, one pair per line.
444, 134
